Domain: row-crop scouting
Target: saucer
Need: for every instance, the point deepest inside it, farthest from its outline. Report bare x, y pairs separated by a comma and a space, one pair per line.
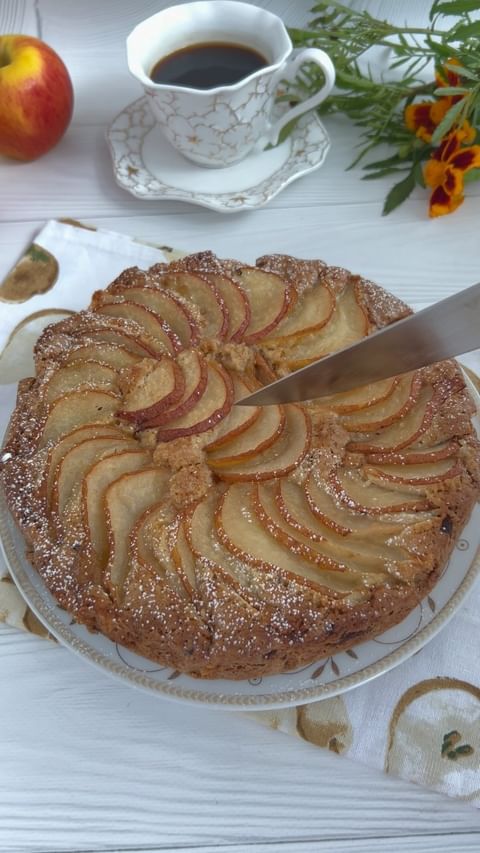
148, 167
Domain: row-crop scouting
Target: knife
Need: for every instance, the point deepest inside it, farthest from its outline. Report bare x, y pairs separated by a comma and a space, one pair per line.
446, 329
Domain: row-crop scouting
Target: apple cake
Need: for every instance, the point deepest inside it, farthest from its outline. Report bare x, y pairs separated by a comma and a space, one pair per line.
229, 541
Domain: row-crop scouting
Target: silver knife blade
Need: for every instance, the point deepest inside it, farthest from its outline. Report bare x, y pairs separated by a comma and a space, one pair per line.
446, 329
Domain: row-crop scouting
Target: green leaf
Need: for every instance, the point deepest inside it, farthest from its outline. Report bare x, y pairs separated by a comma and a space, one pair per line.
398, 194
420, 180
299, 34
284, 133
382, 173
439, 49
287, 130
451, 90
455, 7
380, 164
471, 176
447, 122
333, 4
461, 71
465, 749
362, 154
36, 253
465, 31
453, 735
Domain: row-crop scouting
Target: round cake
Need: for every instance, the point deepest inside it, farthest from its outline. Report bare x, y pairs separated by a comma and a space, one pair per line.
229, 541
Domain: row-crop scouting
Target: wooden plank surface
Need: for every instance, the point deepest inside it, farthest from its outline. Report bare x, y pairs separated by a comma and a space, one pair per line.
90, 764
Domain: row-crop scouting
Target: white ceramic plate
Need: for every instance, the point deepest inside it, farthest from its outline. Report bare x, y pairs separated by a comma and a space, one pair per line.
327, 677
148, 167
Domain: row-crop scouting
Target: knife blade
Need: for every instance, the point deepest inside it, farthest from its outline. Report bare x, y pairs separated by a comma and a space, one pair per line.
443, 330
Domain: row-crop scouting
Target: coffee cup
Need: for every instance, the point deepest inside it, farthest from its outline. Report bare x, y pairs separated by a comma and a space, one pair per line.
217, 126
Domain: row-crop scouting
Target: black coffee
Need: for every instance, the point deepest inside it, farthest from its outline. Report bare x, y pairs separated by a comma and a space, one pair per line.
208, 65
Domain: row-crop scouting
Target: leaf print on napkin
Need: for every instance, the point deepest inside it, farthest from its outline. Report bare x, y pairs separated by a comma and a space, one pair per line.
451, 750
326, 724
434, 737
35, 272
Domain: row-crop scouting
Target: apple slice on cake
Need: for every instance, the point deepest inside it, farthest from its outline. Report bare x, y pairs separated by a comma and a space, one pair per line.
135, 342
347, 518
358, 399
154, 387
414, 474
401, 432
311, 311
205, 297
239, 419
194, 368
243, 534
112, 354
282, 456
237, 305
71, 439
153, 536
414, 455
77, 408
146, 318
125, 500
80, 374
75, 463
165, 304
387, 411
371, 543
210, 408
265, 429
357, 491
94, 486
347, 325
316, 549
93, 328
269, 296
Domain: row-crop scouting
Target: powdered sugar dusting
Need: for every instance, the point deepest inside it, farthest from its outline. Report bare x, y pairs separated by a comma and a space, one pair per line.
195, 597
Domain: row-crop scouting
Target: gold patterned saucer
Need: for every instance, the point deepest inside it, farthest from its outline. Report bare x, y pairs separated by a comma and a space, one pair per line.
147, 166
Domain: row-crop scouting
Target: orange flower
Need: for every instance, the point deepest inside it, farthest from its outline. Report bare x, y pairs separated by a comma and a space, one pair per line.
445, 170
445, 77
423, 118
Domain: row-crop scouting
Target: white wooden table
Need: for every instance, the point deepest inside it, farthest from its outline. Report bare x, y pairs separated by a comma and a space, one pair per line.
87, 764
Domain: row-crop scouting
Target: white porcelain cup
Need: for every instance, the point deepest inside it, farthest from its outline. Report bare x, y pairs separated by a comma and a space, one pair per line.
220, 126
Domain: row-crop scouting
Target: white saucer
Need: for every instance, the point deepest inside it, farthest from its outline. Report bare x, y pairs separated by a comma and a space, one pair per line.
147, 166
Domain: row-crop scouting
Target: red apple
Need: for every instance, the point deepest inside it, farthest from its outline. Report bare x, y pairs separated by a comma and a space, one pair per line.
36, 97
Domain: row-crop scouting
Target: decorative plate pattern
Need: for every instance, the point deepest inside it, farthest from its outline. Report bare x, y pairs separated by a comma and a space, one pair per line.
147, 166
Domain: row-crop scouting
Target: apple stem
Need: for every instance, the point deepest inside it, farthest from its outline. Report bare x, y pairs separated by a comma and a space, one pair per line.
4, 58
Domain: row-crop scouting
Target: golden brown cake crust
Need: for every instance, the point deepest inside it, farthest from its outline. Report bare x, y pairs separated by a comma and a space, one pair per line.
221, 541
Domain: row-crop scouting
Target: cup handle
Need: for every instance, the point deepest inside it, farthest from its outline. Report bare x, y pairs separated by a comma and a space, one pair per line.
310, 54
